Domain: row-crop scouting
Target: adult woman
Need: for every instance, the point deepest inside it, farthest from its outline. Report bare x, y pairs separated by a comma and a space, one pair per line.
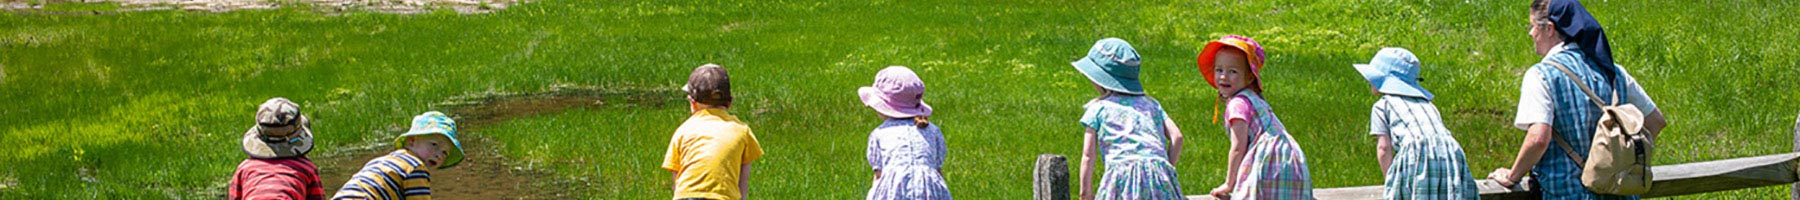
1552, 107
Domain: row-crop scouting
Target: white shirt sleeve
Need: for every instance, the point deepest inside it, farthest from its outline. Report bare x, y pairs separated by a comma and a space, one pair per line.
1534, 101
1635, 94
1378, 118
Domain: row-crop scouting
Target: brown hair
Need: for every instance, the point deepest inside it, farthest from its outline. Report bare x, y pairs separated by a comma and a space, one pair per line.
1256, 85
921, 121
1540, 12
710, 85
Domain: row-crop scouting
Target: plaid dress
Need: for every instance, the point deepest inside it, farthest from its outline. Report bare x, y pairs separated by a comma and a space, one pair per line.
1428, 162
1275, 168
1574, 120
1133, 143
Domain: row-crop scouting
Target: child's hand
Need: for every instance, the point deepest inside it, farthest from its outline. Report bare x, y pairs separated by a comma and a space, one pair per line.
1222, 192
1502, 176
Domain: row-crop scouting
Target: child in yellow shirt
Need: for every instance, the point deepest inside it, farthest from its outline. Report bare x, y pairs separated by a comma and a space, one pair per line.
710, 154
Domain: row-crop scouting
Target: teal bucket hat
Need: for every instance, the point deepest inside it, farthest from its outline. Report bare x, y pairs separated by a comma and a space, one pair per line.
435, 123
1394, 71
1113, 65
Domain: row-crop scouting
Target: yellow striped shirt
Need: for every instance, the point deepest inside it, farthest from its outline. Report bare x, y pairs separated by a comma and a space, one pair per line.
395, 176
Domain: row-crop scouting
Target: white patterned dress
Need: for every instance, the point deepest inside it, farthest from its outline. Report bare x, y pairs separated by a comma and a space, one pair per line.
909, 159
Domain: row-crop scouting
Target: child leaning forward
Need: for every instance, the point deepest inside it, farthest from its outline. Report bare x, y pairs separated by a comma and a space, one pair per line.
1416, 152
1265, 161
406, 172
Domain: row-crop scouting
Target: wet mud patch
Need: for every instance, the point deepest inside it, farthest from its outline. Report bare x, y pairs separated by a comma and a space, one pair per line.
486, 172
486, 108
483, 174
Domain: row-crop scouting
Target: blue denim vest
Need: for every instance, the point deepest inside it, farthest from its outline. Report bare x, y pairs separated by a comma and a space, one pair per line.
1574, 120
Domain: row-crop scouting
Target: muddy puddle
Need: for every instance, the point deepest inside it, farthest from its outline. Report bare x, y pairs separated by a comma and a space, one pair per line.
486, 172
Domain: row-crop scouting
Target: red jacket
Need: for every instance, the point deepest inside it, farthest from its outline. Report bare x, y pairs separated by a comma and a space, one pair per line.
282, 178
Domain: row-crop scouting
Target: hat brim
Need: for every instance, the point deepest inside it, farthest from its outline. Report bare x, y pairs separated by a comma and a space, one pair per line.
1391, 85
1370, 73
456, 153
1099, 76
256, 148
881, 104
1205, 61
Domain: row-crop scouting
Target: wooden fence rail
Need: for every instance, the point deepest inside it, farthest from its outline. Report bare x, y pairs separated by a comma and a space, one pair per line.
1671, 180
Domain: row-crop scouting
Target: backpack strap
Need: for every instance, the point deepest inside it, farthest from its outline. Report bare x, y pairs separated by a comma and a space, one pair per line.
1570, 150
1567, 149
1583, 84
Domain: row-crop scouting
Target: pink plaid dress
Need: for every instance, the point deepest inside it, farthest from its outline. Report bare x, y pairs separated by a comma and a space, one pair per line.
1274, 168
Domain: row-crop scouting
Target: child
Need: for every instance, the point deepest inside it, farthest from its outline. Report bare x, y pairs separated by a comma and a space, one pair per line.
1430, 164
277, 146
406, 173
1265, 162
1140, 140
906, 151
710, 154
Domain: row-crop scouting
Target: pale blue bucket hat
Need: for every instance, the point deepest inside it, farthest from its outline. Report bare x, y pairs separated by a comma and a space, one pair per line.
1113, 65
1394, 71
435, 123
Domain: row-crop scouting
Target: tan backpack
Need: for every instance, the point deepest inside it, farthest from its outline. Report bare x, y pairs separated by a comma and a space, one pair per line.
1619, 158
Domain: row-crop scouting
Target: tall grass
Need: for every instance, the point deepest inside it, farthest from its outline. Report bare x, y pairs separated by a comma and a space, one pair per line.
150, 104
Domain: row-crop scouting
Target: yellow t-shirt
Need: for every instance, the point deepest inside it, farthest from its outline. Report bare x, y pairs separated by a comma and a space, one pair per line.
706, 153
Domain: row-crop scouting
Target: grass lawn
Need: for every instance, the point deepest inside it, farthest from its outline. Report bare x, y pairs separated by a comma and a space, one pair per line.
137, 105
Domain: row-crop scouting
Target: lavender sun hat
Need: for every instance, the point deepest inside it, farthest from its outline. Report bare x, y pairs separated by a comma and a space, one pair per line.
897, 92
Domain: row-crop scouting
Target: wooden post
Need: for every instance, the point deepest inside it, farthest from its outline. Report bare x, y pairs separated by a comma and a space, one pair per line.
1051, 179
1794, 192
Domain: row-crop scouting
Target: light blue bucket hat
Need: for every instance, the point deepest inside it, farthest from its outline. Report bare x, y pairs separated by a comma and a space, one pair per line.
1394, 71
435, 123
1113, 65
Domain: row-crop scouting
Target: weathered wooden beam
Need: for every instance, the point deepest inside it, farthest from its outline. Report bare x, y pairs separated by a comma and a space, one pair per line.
1489, 190
1493, 190
1051, 179
1671, 180
1721, 175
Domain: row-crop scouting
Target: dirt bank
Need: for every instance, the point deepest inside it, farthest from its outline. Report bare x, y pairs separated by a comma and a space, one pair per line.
383, 6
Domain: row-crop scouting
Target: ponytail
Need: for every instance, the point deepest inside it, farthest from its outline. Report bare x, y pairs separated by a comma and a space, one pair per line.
921, 121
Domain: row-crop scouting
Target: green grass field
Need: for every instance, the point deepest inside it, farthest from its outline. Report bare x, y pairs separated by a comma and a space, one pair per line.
149, 105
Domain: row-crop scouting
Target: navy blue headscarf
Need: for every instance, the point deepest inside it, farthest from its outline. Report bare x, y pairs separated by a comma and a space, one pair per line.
1574, 22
